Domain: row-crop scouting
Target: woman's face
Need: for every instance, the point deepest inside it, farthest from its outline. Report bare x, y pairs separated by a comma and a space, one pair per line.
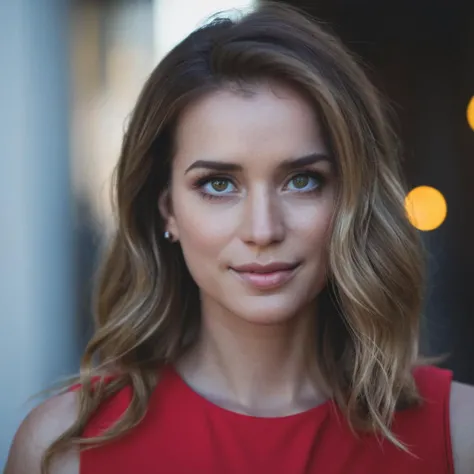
252, 196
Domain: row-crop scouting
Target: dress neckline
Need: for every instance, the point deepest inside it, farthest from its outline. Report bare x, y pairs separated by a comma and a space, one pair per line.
315, 411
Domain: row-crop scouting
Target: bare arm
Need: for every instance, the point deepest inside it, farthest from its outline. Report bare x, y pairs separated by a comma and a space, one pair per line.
462, 427
39, 429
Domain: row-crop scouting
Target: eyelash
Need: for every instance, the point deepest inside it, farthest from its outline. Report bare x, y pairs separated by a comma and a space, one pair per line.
201, 182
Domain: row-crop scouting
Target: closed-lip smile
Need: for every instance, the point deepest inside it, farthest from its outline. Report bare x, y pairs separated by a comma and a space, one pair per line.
265, 277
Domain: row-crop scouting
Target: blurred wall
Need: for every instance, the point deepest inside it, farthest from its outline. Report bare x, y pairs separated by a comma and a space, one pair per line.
112, 52
37, 302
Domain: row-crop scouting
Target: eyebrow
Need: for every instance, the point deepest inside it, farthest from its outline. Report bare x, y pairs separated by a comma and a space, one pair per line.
287, 165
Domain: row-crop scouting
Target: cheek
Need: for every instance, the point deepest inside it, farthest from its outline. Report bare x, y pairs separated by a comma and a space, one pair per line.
204, 231
312, 224
312, 239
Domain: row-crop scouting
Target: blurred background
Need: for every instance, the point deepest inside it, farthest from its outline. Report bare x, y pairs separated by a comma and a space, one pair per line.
71, 71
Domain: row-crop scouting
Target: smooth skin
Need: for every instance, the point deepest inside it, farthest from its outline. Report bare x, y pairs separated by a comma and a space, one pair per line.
267, 196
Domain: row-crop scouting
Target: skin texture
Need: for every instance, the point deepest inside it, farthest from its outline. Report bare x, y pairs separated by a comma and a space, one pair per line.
254, 345
253, 342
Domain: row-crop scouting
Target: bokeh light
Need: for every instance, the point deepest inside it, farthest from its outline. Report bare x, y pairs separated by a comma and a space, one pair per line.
426, 208
470, 113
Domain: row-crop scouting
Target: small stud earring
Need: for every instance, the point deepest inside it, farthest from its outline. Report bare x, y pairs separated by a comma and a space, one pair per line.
167, 235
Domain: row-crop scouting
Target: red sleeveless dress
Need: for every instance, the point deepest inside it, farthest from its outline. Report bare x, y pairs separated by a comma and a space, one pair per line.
184, 433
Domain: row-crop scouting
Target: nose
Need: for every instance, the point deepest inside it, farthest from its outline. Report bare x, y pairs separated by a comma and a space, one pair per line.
262, 223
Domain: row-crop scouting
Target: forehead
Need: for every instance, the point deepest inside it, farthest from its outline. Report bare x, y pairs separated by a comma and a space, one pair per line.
270, 121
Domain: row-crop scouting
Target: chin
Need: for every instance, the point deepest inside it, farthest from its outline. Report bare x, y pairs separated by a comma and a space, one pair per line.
266, 310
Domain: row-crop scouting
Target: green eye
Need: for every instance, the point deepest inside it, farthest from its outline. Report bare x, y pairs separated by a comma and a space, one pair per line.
304, 182
300, 181
219, 185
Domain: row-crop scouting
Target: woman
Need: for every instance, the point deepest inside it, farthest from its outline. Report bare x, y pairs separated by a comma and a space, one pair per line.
259, 307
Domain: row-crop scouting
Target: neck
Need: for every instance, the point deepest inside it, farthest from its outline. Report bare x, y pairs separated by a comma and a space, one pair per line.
254, 368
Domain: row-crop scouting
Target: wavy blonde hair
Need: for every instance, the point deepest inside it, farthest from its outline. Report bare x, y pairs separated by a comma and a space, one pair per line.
368, 323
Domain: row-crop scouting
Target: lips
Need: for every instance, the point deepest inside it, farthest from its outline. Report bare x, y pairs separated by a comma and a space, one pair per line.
264, 277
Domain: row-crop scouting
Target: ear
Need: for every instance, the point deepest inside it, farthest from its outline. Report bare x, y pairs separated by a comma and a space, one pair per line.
165, 207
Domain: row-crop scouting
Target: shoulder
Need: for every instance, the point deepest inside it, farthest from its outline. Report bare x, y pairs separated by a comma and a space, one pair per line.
461, 408
38, 430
